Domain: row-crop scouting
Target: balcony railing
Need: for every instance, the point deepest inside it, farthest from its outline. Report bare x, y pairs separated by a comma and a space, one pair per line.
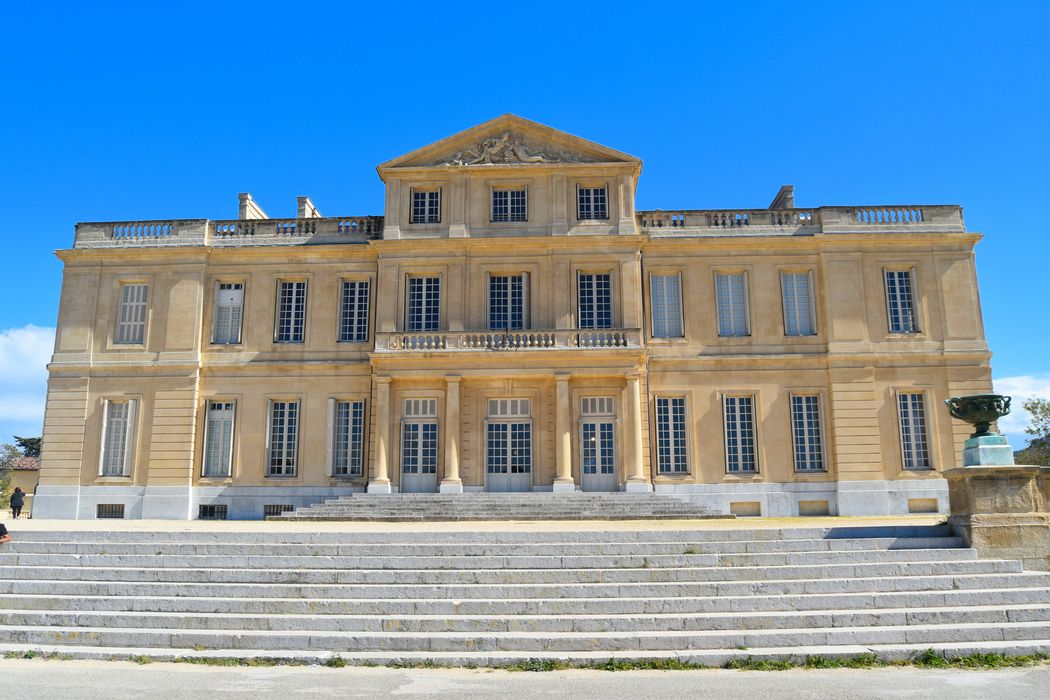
228, 233
436, 341
883, 219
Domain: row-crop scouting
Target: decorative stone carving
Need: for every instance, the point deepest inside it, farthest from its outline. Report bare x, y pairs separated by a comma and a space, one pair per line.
509, 148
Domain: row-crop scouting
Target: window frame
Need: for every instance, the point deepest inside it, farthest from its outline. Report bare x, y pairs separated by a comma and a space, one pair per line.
746, 285
675, 453
128, 440
510, 191
822, 452
753, 399
216, 291
926, 446
272, 402
591, 204
676, 274
525, 292
580, 273
207, 434
292, 340
353, 470
431, 209
811, 300
356, 320
909, 272
409, 278
143, 324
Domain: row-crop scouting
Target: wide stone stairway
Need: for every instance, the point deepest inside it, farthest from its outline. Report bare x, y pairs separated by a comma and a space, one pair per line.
500, 507
480, 597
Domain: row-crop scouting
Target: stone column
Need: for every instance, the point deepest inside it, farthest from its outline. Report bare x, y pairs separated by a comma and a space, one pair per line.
563, 435
380, 483
452, 483
636, 480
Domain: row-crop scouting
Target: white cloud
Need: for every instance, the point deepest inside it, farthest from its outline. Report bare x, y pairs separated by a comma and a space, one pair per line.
1020, 388
24, 354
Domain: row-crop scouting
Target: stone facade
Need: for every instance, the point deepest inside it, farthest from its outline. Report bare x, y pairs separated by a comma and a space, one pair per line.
512, 322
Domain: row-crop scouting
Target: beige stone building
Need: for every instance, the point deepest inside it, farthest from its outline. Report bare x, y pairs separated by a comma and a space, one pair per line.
513, 323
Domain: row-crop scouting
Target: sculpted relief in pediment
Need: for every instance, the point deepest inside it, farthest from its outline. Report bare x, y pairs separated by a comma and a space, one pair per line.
510, 148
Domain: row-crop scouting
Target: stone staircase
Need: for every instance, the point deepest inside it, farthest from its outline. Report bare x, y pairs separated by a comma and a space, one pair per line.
492, 598
501, 506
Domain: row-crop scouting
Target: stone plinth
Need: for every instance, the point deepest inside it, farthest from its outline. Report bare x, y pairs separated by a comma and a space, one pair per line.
1003, 511
987, 450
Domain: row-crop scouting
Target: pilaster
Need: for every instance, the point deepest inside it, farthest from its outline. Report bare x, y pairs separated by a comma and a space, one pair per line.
380, 482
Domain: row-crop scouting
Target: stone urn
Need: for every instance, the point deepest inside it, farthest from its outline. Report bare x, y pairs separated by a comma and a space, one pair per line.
984, 447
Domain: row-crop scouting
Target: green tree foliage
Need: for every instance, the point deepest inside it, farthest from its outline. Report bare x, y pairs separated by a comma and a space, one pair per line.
8, 455
1038, 449
30, 446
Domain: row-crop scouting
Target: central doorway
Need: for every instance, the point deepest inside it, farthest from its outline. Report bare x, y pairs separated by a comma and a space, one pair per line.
508, 446
598, 444
419, 446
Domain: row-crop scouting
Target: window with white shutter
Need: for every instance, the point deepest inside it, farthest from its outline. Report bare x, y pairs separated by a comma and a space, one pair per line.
731, 300
229, 310
218, 439
665, 295
131, 314
797, 292
118, 420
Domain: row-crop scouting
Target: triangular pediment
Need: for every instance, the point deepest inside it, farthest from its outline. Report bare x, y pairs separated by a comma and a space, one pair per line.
509, 140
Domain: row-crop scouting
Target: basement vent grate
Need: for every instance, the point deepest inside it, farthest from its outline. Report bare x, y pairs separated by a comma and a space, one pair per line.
276, 509
109, 510
213, 512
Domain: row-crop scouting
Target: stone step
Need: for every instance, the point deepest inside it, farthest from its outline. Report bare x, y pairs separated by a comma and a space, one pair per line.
561, 624
159, 601
233, 536
663, 640
480, 549
904, 571
486, 562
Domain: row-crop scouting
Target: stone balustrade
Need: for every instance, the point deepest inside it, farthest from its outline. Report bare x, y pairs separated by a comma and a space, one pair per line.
881, 219
431, 341
228, 233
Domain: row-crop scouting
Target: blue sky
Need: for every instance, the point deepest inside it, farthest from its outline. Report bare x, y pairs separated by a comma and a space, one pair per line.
125, 111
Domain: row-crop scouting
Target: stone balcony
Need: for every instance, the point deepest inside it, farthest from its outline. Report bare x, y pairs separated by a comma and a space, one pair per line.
230, 233
819, 220
509, 341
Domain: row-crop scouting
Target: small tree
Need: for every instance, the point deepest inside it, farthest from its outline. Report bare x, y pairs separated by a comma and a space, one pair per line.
1038, 449
30, 446
8, 455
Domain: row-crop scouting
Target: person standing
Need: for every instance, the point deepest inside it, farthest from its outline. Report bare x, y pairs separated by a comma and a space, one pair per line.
17, 501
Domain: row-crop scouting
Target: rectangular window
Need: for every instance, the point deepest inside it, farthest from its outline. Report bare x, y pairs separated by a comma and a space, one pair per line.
665, 293
218, 439
806, 433
349, 438
109, 510
797, 291
900, 301
508, 302
218, 511
229, 309
595, 300
671, 452
424, 303
593, 203
283, 438
131, 314
739, 419
118, 420
731, 300
509, 205
426, 206
911, 411
353, 312
291, 312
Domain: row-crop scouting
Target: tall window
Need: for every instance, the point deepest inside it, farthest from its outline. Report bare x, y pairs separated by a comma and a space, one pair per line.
671, 452
229, 309
284, 438
353, 312
911, 411
291, 312
510, 205
426, 206
117, 422
349, 438
508, 302
595, 300
797, 291
592, 203
806, 435
665, 292
739, 417
131, 314
900, 301
731, 299
218, 439
424, 303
